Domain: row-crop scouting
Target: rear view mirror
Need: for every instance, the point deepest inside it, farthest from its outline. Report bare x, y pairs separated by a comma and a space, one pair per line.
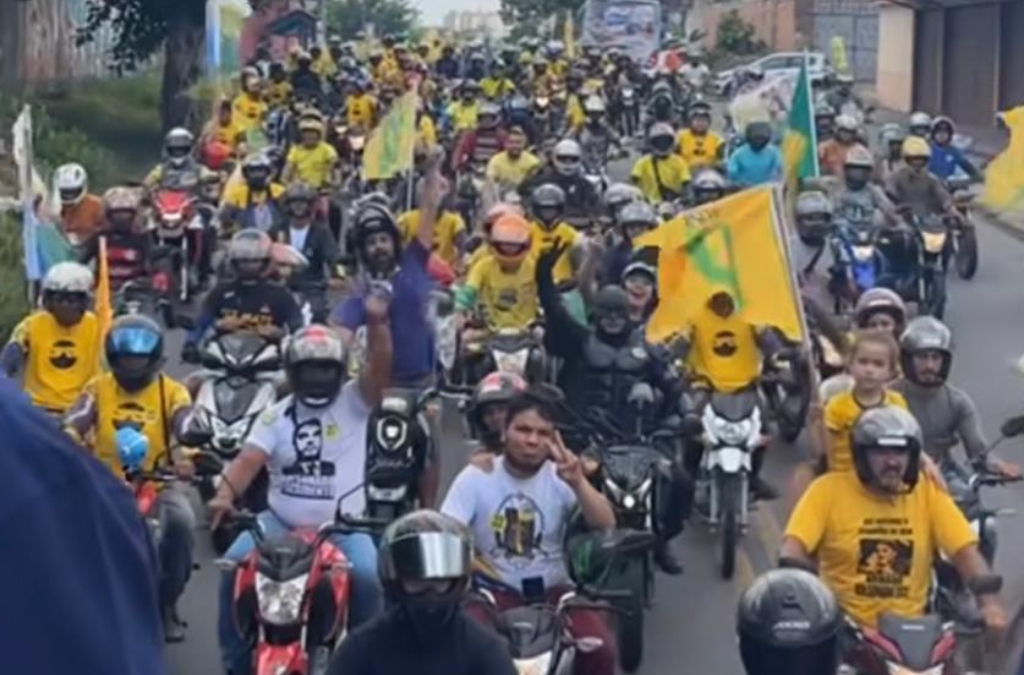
1013, 427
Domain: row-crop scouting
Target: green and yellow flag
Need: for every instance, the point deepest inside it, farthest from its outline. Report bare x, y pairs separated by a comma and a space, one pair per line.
569, 36
800, 143
390, 149
1004, 176
733, 243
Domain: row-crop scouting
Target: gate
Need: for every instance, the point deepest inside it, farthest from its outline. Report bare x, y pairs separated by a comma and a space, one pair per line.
856, 21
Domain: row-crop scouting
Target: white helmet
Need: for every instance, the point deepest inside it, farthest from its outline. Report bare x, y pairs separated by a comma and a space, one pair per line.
567, 157
71, 182
68, 277
846, 123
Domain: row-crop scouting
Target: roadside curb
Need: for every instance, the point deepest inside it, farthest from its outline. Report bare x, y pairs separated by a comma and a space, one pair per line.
1001, 222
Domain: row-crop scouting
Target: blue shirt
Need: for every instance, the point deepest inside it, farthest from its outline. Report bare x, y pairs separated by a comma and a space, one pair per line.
748, 167
414, 357
81, 591
945, 160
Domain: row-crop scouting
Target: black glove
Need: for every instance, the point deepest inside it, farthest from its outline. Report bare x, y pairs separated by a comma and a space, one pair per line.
547, 260
190, 353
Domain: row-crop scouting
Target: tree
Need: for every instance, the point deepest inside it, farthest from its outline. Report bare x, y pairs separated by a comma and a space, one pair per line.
526, 15
347, 17
144, 27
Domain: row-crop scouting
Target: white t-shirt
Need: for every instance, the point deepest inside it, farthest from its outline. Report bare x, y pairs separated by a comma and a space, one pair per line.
298, 237
315, 457
518, 524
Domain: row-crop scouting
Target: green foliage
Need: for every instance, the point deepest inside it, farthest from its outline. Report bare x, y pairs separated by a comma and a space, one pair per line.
348, 17
13, 292
141, 26
526, 15
736, 36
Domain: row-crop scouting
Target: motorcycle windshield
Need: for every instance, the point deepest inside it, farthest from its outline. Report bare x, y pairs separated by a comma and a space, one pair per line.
284, 558
629, 466
735, 407
241, 348
916, 638
233, 398
530, 631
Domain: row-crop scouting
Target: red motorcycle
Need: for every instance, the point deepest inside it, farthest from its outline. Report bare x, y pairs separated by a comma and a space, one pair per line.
291, 595
177, 230
921, 646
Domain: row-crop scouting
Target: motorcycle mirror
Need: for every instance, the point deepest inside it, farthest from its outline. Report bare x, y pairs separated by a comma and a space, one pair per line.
1013, 427
195, 437
641, 394
589, 645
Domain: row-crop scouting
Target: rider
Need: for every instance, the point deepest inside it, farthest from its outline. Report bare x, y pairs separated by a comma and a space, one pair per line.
920, 125
544, 481
312, 160
426, 561
361, 106
463, 112
548, 208
313, 239
824, 121
81, 213
249, 107
477, 146
634, 220
278, 93
250, 301
56, 348
449, 228
602, 365
128, 248
596, 137
497, 86
832, 152
789, 623
575, 116
708, 186
859, 200
312, 443
179, 169
913, 187
305, 82
947, 159
136, 395
757, 161
891, 139
252, 202
662, 175
566, 172
874, 531
947, 414
697, 144
842, 95
508, 169
487, 413
225, 129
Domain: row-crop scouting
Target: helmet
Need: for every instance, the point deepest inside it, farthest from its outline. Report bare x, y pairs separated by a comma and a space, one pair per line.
488, 109
71, 182
887, 426
299, 191
594, 105
498, 211
859, 157
789, 621
846, 123
638, 213
943, 121
178, 145
662, 138
824, 110
920, 123
844, 78
548, 203
510, 239
314, 362
700, 109
567, 157
619, 194
311, 124
643, 261
134, 335
915, 146
758, 131
67, 278
371, 218
708, 186
121, 199
876, 300
892, 133
926, 334
257, 169
498, 387
249, 254
813, 217
426, 546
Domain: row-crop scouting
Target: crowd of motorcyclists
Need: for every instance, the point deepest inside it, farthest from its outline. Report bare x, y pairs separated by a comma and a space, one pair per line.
504, 270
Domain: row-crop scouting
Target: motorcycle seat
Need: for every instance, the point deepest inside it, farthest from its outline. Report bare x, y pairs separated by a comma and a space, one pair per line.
915, 638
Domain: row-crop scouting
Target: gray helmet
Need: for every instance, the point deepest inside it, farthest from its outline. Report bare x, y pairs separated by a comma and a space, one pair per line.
620, 194
926, 334
846, 123
548, 195
638, 213
315, 363
813, 203
300, 191
813, 217
859, 157
920, 123
892, 133
709, 179
876, 300
824, 110
887, 426
425, 545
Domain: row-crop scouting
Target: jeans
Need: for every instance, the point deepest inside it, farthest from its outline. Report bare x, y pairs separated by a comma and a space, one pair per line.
365, 596
177, 541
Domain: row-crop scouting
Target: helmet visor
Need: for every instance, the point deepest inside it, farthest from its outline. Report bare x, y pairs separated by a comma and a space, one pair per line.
430, 555
134, 341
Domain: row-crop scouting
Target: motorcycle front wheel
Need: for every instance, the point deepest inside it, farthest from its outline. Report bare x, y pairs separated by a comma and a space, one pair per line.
967, 254
629, 627
729, 536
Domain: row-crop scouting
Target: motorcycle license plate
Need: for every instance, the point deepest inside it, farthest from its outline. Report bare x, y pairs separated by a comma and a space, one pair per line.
934, 242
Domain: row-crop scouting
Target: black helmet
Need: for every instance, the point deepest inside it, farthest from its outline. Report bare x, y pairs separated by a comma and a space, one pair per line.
611, 302
314, 362
139, 338
788, 621
257, 170
374, 217
886, 427
299, 192
926, 334
548, 203
431, 548
758, 131
498, 387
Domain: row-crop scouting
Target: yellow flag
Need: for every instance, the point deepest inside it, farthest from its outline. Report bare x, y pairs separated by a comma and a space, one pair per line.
570, 37
104, 306
392, 144
733, 244
1004, 177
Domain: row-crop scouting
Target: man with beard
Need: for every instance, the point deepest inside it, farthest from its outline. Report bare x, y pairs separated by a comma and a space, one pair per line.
602, 367
519, 512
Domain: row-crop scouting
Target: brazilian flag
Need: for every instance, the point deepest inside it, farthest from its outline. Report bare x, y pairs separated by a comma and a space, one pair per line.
800, 144
391, 146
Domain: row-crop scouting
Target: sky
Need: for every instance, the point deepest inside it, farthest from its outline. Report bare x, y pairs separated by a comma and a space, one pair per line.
434, 11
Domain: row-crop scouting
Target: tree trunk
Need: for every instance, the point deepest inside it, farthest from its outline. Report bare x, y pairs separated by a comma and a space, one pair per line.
183, 66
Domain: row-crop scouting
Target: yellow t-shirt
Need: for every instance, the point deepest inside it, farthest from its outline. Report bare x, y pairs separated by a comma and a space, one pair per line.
673, 171
876, 552
278, 94
698, 151
507, 299
229, 134
495, 88
463, 116
248, 112
574, 112
313, 165
426, 132
117, 408
361, 111
841, 414
725, 351
509, 172
561, 234
59, 360
446, 230
237, 194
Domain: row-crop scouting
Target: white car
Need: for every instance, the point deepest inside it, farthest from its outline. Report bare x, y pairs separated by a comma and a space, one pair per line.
775, 65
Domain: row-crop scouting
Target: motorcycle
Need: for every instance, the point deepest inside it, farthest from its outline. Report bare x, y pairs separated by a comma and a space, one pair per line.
904, 646
508, 350
858, 264
933, 255
630, 112
965, 237
398, 446
291, 595
176, 228
138, 297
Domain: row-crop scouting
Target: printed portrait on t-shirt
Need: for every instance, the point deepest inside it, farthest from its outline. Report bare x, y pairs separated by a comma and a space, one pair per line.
518, 525
886, 555
308, 441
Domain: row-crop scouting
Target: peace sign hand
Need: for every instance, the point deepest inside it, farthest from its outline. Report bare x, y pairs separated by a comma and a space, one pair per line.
568, 465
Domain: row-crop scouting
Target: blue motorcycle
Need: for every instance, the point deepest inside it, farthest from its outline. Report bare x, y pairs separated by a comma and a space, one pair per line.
857, 263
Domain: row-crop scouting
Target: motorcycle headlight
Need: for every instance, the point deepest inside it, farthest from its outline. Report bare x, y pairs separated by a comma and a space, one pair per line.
897, 669
391, 434
514, 362
538, 665
240, 429
934, 242
280, 602
862, 253
731, 433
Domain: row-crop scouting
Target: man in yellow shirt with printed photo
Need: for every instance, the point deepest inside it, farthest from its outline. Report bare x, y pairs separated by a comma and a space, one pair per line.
873, 532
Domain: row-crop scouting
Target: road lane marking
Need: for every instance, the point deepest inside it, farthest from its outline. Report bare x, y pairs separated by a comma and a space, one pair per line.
744, 576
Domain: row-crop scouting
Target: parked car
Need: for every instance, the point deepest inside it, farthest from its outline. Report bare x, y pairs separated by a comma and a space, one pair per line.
774, 65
